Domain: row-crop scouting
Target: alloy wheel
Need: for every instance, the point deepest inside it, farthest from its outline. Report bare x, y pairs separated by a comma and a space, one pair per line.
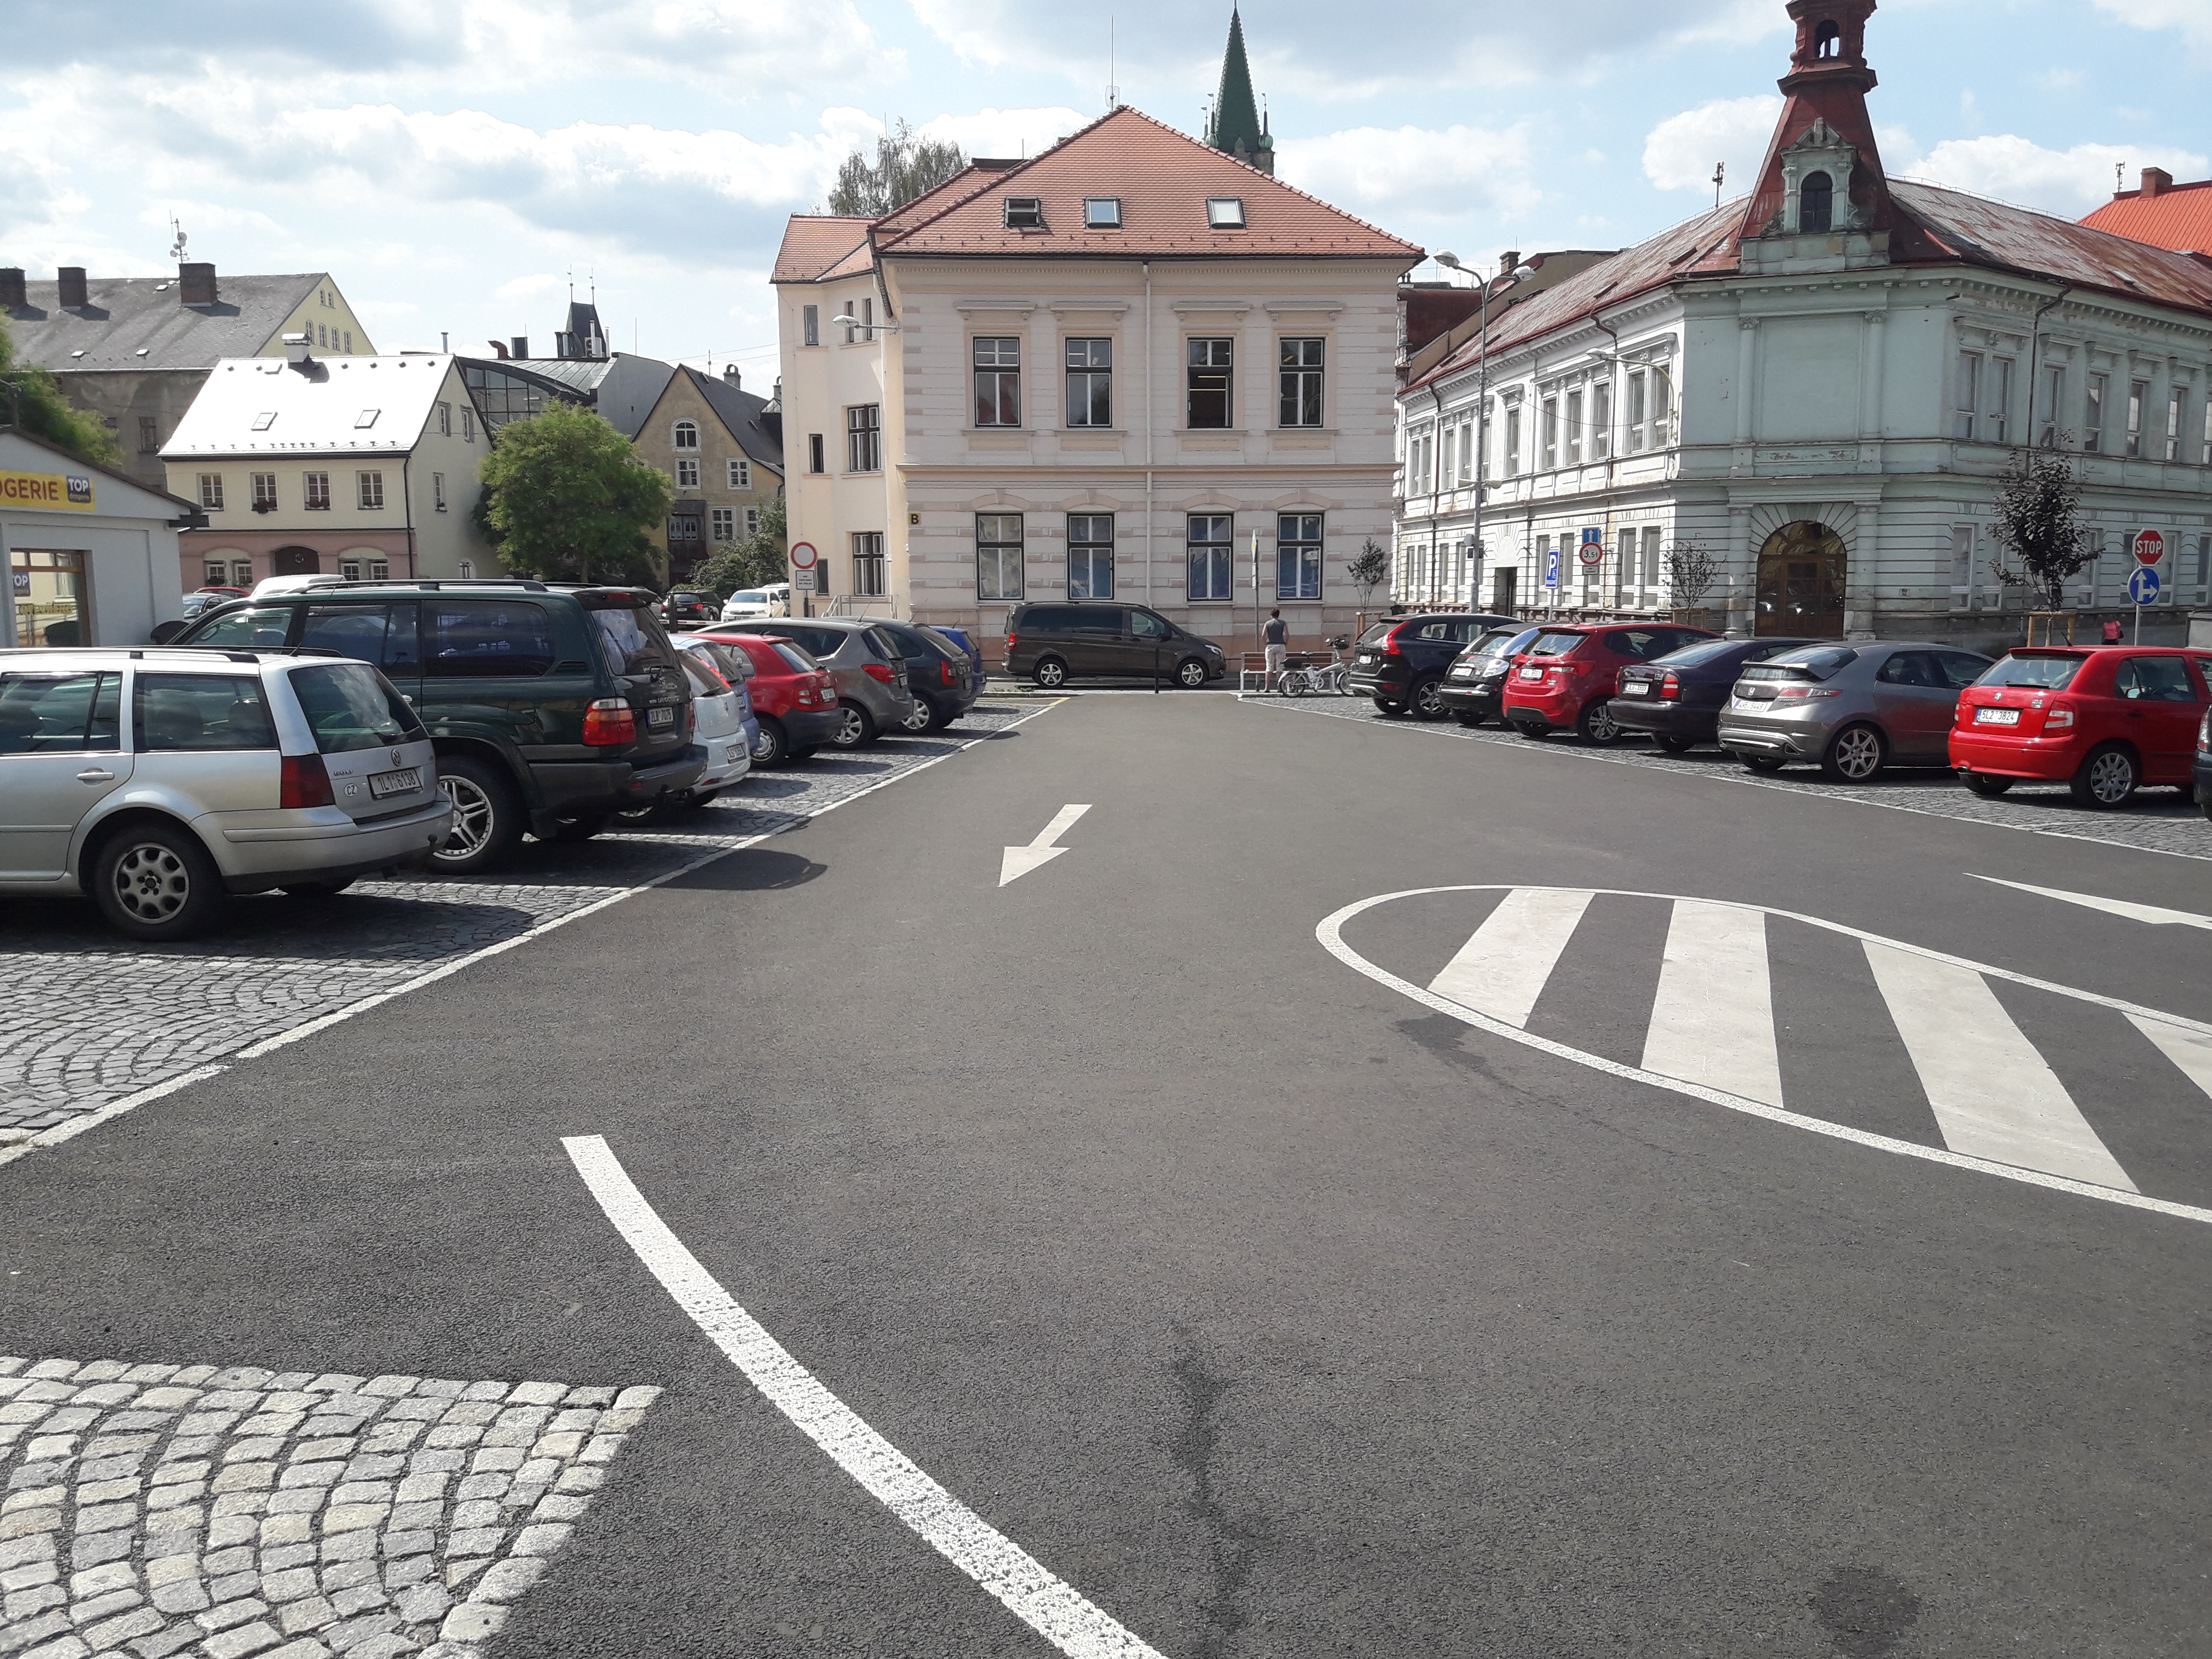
2112, 778
920, 718
152, 883
1859, 754
473, 813
1191, 675
1603, 728
851, 729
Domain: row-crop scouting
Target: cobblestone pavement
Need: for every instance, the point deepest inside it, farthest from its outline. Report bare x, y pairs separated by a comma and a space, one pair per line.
87, 1018
2157, 821
163, 1509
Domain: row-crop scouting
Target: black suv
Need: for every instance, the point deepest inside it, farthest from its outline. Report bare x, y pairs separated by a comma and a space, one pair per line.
938, 672
1057, 642
1402, 661
551, 709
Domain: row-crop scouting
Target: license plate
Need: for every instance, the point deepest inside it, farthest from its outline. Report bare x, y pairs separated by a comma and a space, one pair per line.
1638, 687
1997, 717
1367, 656
404, 782
733, 754
660, 717
1463, 673
1532, 673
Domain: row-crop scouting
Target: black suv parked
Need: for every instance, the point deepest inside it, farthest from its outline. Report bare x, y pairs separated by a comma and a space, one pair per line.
551, 709
1055, 643
1401, 662
938, 672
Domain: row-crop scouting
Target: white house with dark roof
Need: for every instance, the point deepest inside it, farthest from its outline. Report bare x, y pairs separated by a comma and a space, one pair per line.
362, 467
1819, 385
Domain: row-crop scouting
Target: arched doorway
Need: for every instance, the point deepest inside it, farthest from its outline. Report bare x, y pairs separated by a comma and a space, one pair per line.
1801, 582
295, 562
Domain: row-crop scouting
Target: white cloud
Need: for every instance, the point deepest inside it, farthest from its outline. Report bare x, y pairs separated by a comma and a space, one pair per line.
2192, 19
2066, 183
1004, 132
1416, 172
1679, 152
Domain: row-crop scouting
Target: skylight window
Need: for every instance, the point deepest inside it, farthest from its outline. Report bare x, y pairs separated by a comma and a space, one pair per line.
1024, 213
1101, 213
264, 420
1224, 212
366, 417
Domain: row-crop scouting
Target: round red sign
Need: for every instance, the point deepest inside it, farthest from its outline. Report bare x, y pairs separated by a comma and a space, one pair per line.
802, 556
2149, 547
1593, 553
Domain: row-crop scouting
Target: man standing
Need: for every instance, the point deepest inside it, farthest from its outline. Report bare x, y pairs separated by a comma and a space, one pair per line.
1276, 635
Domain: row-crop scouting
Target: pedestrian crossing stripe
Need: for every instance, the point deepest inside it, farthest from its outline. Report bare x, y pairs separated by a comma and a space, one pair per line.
2001, 1108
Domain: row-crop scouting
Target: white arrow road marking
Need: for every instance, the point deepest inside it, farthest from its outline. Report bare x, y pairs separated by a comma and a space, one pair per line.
1018, 862
2190, 1050
2157, 914
1043, 1602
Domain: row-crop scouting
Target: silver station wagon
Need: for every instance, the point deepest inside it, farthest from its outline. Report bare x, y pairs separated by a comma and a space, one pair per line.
160, 781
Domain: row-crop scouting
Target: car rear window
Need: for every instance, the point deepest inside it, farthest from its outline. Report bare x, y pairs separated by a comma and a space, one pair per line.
481, 639
631, 638
2039, 672
1823, 663
708, 680
735, 663
260, 625
348, 706
60, 713
1704, 651
818, 641
1555, 645
175, 712
887, 645
799, 657
942, 644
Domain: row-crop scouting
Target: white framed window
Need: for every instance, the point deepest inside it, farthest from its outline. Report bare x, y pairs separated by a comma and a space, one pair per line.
1091, 555
864, 438
445, 420
687, 472
1024, 213
1101, 213
998, 556
1996, 408
816, 461
379, 570
997, 360
1962, 567
684, 435
349, 569
214, 573
868, 563
1575, 427
437, 490
2177, 401
468, 425
2093, 415
241, 573
1663, 411
1224, 213
1635, 414
468, 569
1212, 556
1207, 402
2138, 395
1551, 433
1600, 428
1090, 367
862, 329
752, 521
1301, 375
1967, 396
739, 472
1651, 564
809, 325
722, 524
211, 492
1513, 440
2050, 399
371, 495
315, 491
1297, 555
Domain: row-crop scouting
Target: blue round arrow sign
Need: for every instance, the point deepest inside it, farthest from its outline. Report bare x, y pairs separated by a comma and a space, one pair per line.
2142, 584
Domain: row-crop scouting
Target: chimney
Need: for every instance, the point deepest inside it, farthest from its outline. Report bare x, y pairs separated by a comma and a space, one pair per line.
1510, 262
72, 287
730, 373
12, 292
196, 283
2155, 179
561, 344
296, 350
497, 347
521, 346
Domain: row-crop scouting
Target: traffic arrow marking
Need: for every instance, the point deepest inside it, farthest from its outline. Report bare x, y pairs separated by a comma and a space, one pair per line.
1018, 862
2157, 914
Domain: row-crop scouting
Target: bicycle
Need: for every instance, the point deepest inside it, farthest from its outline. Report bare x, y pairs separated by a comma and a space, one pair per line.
1336, 675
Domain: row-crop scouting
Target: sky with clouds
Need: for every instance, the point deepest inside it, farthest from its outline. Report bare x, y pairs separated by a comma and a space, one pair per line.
454, 163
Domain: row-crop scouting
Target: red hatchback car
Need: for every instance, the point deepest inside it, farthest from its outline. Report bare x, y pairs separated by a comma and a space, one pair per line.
2103, 719
1568, 674
794, 699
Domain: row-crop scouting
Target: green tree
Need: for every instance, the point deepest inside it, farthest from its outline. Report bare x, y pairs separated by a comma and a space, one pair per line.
566, 497
1370, 570
32, 400
2038, 521
904, 167
1692, 571
761, 558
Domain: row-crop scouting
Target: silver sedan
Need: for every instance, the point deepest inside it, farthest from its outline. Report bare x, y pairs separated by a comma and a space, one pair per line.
1854, 707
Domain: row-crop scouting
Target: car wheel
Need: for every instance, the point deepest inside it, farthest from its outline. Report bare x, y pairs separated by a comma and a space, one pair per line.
1988, 783
773, 747
1597, 724
856, 727
1428, 699
1854, 754
309, 891
585, 825
1761, 762
1190, 673
1050, 672
922, 718
487, 817
155, 882
1673, 742
2107, 777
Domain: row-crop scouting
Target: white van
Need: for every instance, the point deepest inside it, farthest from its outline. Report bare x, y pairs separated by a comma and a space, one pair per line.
774, 600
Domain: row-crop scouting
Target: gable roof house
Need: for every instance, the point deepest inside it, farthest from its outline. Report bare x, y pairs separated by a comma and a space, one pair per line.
1820, 384
1131, 367
722, 448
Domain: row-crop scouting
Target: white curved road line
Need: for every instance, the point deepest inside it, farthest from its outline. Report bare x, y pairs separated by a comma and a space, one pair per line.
1041, 1600
1330, 932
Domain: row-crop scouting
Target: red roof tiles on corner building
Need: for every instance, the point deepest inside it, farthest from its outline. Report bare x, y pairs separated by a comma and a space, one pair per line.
2176, 216
814, 244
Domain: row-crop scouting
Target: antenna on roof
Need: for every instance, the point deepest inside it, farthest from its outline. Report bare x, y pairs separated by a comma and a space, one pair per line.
177, 252
2119, 177
1113, 91
1720, 171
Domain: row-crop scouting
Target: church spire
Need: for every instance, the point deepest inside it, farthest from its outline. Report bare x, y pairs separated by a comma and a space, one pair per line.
1235, 127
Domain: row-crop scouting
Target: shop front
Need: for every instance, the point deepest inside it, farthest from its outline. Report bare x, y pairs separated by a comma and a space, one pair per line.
91, 555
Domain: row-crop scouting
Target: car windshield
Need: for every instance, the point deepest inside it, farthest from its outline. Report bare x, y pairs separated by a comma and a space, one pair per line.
1821, 663
2044, 673
348, 706
1696, 656
263, 624
1555, 645
748, 598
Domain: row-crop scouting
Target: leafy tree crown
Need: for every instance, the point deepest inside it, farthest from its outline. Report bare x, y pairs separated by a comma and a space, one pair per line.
904, 167
32, 399
566, 497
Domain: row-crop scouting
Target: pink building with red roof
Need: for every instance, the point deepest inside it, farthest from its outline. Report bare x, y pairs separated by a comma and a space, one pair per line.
1819, 384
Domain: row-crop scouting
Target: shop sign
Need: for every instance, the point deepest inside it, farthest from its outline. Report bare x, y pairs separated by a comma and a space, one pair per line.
66, 492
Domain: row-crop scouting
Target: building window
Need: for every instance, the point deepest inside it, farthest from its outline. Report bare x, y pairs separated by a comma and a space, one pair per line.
864, 438
445, 420
468, 426
2204, 449
1995, 423
372, 491
1575, 427
686, 434
1212, 556
998, 556
1101, 213
2175, 399
215, 572
2093, 415
1635, 421
722, 524
740, 474
752, 521
687, 472
149, 440
349, 343
468, 569
1816, 203
437, 490
1091, 555
379, 570
1651, 564
2047, 407
1662, 410
1297, 555
815, 462
1301, 382
322, 337
1209, 363
241, 573
1551, 433
1224, 213
1024, 213
998, 362
1962, 567
864, 323
2138, 394
809, 325
264, 492
211, 491
1090, 382
868, 563
349, 569
1513, 440
1600, 421
1967, 396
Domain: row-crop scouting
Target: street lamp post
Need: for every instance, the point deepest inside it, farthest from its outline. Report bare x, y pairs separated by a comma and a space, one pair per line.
1516, 275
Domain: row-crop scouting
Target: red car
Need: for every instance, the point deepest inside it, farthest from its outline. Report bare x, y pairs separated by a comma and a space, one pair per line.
2103, 719
1569, 673
794, 699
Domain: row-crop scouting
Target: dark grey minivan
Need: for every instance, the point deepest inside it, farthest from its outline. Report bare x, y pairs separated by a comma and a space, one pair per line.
1106, 639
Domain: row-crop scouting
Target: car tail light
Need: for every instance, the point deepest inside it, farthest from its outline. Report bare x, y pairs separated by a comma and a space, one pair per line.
944, 674
2204, 734
610, 721
878, 671
306, 782
2059, 718
1803, 693
1671, 685
1010, 645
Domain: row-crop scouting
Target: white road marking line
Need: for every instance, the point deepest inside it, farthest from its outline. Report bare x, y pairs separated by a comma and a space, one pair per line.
1501, 969
1032, 1593
1329, 931
2157, 914
1712, 1019
1994, 1095
76, 1126
2189, 1050
1018, 862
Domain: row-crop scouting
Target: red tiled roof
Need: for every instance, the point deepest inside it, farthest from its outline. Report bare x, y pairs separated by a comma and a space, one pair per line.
2178, 217
1162, 178
814, 244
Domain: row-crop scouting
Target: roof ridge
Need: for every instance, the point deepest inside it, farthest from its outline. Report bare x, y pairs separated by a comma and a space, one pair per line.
1012, 172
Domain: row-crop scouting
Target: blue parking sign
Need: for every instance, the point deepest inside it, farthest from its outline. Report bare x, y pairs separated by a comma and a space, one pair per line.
2142, 584
1550, 566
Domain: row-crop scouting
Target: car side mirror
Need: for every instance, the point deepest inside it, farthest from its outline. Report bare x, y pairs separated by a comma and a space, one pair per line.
164, 632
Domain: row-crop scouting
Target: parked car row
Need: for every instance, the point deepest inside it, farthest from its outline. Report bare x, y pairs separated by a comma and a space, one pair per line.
2105, 719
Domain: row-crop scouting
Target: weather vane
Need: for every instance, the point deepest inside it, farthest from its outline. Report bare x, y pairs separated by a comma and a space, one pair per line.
177, 252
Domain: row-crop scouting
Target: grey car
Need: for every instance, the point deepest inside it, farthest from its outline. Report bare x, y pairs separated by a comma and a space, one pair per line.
867, 664
1854, 707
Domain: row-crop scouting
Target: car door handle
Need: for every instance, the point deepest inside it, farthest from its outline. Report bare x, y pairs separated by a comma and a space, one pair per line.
95, 774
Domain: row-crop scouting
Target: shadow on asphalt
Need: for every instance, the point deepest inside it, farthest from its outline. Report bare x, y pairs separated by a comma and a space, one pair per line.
753, 870
272, 926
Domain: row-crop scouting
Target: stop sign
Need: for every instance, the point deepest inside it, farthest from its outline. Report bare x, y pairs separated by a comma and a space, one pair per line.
2149, 547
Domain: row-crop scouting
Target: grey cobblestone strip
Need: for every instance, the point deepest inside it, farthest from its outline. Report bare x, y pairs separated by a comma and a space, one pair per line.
2160, 821
87, 1018
153, 1511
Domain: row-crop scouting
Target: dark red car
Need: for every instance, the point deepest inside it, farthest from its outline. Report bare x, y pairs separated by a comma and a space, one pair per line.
1569, 673
2106, 719
794, 699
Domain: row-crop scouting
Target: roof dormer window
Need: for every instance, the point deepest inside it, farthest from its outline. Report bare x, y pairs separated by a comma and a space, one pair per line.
1024, 213
264, 420
1101, 213
366, 418
1224, 212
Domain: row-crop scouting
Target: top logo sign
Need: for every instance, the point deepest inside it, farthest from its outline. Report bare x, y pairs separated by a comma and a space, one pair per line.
70, 493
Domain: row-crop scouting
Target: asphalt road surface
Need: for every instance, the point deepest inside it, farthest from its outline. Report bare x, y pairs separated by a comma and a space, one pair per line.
1692, 1221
